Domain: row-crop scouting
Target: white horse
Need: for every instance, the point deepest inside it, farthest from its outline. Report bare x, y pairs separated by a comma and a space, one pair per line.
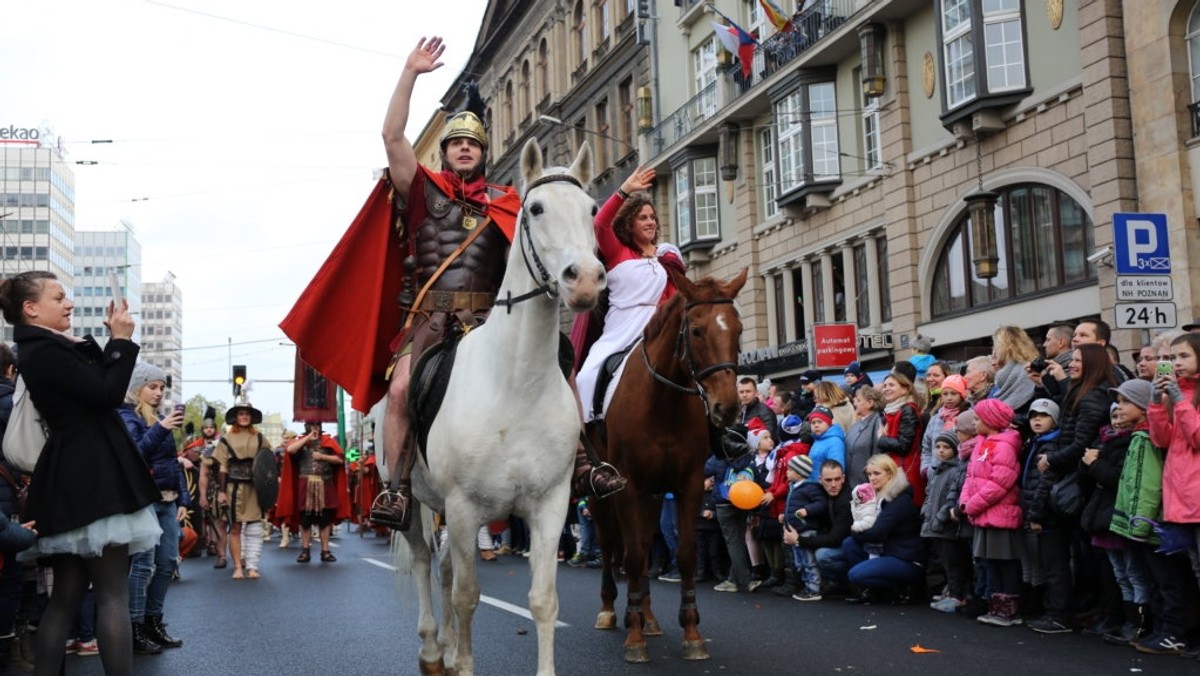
504, 441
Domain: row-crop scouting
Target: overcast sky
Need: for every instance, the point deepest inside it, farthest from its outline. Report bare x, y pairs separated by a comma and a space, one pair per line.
244, 139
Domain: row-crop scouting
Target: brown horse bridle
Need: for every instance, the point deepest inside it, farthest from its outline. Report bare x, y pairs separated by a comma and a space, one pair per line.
681, 346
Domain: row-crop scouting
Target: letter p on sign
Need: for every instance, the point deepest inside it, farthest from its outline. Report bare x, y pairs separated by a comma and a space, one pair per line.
1142, 244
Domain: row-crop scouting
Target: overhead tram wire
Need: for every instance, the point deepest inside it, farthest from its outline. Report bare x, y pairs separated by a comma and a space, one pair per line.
281, 31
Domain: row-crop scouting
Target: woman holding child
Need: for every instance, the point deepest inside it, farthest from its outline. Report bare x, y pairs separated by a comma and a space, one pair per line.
891, 553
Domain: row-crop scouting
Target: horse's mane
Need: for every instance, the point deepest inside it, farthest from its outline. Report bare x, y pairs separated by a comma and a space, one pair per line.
707, 287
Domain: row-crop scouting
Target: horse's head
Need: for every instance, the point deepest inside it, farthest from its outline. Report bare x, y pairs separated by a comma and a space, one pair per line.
712, 329
556, 216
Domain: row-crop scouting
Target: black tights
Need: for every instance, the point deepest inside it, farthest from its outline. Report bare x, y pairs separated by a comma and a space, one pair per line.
109, 576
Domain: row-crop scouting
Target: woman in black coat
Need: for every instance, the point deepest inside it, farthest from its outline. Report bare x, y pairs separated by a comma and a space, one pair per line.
91, 493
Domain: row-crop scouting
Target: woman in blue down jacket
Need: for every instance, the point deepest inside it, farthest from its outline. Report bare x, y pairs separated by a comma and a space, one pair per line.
150, 572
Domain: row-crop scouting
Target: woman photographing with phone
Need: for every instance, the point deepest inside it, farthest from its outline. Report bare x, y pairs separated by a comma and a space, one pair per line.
91, 494
150, 572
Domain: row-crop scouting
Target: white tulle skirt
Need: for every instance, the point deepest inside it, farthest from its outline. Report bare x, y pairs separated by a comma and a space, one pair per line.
139, 530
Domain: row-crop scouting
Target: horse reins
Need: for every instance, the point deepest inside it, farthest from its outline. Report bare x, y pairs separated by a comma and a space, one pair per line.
681, 345
546, 286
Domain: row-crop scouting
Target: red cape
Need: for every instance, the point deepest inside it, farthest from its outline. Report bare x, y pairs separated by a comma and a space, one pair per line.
285, 506
344, 322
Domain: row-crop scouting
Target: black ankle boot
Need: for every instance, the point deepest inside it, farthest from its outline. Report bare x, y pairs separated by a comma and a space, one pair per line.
142, 645
157, 631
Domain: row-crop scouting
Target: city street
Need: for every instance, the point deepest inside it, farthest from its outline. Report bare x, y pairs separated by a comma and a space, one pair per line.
349, 618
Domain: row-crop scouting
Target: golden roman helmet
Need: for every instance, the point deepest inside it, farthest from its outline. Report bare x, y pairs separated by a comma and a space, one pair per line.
465, 125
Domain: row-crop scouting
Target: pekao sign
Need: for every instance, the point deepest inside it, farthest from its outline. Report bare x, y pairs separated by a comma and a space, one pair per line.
20, 134
834, 345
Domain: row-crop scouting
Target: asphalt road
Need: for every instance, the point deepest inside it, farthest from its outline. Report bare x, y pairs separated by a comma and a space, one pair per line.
350, 618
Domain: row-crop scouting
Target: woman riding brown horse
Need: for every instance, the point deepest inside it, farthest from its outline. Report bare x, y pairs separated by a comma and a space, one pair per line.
678, 383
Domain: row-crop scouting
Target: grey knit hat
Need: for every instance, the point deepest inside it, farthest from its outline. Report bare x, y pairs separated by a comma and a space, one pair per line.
143, 375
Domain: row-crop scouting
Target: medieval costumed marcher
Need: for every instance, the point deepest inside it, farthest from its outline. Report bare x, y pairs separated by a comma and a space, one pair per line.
192, 541
290, 524
216, 512
369, 485
235, 456
313, 487
444, 261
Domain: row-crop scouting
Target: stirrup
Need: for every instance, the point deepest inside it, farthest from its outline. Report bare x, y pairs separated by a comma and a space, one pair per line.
608, 485
391, 510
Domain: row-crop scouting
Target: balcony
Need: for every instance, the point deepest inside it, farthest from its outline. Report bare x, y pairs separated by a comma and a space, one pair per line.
681, 122
808, 28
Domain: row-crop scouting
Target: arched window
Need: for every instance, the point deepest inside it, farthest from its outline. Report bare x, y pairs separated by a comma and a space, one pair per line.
543, 67
1043, 238
526, 97
580, 37
1193, 50
510, 103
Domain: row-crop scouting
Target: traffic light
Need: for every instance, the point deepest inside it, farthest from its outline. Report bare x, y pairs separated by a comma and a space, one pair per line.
643, 9
239, 378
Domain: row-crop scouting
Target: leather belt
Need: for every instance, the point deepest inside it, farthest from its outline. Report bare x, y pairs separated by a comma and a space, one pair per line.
449, 301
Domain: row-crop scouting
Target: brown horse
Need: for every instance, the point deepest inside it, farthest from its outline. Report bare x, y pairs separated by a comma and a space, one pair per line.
678, 381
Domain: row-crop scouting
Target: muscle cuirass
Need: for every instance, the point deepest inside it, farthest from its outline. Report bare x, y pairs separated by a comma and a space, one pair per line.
480, 268
312, 467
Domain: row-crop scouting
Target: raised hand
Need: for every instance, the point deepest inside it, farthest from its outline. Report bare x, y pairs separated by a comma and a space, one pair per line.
641, 179
424, 57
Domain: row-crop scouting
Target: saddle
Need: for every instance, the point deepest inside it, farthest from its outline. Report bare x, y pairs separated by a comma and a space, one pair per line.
604, 378
431, 377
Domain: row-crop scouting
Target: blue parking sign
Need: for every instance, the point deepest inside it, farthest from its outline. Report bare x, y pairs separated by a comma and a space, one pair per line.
1141, 244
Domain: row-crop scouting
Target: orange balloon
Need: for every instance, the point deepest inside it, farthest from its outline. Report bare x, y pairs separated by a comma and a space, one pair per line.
745, 494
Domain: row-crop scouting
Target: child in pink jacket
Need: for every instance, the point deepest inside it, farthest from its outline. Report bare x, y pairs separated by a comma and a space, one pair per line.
1175, 426
990, 499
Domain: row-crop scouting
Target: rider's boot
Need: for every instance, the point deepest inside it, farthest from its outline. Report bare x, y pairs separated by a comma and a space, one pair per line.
393, 507
598, 481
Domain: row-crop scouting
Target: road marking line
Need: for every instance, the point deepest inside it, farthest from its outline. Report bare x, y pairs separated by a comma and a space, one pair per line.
495, 603
516, 610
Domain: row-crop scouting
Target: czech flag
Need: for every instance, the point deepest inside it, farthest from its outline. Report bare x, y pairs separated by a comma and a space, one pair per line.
781, 21
737, 41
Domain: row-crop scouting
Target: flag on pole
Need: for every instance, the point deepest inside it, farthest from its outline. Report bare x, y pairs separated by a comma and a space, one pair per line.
737, 41
782, 22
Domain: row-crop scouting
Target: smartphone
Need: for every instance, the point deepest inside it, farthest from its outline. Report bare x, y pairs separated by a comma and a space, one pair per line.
114, 286
179, 408
1164, 368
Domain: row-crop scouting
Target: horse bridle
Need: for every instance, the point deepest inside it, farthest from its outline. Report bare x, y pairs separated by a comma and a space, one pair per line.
548, 286
681, 346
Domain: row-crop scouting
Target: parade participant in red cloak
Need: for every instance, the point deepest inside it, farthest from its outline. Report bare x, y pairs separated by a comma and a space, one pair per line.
313, 488
442, 263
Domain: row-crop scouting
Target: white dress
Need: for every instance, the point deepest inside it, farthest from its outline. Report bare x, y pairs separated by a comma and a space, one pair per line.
635, 286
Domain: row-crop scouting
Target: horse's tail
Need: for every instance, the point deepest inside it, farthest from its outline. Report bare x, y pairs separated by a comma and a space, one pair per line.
422, 534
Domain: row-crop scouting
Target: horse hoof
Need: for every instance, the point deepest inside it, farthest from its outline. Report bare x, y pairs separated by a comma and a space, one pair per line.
695, 650
652, 628
433, 667
637, 654
607, 619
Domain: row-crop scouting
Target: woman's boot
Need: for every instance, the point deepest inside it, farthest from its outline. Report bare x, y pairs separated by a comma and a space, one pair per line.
142, 645
157, 631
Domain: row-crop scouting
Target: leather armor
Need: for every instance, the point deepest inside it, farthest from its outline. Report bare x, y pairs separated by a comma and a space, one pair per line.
480, 268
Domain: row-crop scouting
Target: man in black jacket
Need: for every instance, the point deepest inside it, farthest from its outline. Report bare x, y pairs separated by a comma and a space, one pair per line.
753, 407
835, 527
